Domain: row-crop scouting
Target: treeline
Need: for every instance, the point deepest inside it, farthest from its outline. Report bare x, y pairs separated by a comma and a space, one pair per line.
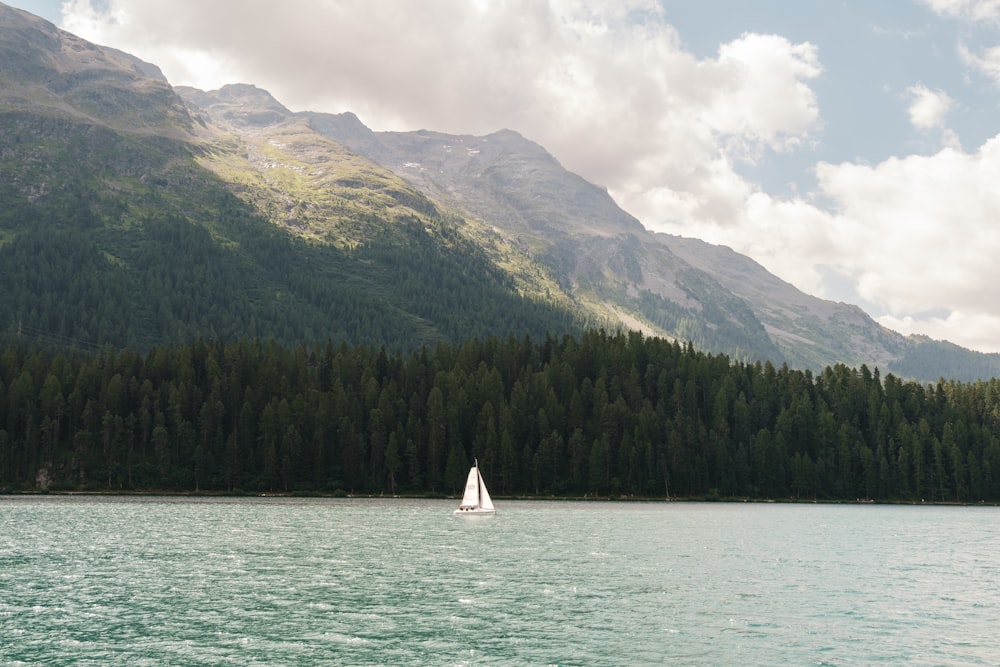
925, 357
603, 414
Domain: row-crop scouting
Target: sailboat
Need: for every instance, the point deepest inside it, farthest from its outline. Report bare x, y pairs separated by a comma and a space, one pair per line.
476, 500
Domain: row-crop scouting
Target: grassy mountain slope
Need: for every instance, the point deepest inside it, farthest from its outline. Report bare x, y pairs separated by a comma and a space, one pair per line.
312, 186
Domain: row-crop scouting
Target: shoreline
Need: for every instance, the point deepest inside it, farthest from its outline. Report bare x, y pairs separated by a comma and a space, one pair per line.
521, 497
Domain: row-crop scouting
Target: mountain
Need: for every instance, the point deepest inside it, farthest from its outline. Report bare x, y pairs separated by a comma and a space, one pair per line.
658, 283
810, 331
45, 69
137, 213
600, 255
130, 220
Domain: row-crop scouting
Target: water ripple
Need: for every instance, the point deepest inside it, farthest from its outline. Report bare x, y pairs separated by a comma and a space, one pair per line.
104, 581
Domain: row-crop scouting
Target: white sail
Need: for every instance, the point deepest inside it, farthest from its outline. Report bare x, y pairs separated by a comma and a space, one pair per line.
476, 499
471, 497
484, 496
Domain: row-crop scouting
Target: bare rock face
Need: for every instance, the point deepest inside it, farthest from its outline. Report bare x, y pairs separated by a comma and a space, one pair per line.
239, 105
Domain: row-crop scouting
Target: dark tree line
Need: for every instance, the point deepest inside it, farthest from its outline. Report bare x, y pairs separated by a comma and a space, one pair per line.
602, 414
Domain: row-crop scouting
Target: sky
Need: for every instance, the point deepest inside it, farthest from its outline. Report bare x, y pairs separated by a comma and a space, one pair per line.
850, 147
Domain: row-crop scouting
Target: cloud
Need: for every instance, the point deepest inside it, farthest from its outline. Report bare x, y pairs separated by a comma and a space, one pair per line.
979, 329
928, 108
972, 10
923, 236
988, 63
915, 237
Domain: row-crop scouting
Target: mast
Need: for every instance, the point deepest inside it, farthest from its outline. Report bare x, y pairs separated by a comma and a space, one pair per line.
479, 484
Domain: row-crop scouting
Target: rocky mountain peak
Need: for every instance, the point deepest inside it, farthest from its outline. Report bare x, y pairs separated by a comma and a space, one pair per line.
43, 66
239, 104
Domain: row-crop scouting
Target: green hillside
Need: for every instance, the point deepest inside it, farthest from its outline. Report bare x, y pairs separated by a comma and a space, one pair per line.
111, 238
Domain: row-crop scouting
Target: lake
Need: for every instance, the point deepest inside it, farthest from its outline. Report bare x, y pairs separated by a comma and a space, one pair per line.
277, 581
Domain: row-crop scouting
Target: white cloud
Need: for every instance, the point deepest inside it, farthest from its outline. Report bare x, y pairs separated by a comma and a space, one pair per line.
988, 63
928, 108
923, 238
973, 10
765, 96
915, 236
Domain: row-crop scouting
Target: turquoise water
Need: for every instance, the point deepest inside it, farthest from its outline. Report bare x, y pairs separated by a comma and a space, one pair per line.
158, 581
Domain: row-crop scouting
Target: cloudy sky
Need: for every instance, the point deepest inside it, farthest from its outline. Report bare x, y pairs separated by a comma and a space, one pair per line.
851, 147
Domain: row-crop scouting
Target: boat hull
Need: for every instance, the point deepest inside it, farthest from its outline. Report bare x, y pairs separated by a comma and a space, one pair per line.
474, 511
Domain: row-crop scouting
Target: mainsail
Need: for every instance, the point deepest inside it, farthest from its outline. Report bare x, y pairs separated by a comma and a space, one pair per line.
471, 497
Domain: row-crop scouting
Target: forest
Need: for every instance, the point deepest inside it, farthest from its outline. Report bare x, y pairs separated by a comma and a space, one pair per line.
169, 281
598, 415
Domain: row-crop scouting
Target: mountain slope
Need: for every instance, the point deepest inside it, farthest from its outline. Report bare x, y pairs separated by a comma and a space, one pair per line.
42, 67
600, 255
316, 188
812, 331
307, 183
662, 284
130, 221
